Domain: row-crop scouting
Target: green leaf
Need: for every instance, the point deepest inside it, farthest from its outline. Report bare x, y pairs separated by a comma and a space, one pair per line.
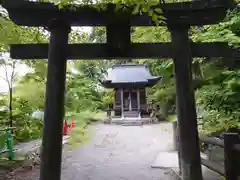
150, 12
145, 8
154, 17
136, 9
158, 10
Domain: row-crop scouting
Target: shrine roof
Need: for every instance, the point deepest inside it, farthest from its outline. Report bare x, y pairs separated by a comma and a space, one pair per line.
129, 74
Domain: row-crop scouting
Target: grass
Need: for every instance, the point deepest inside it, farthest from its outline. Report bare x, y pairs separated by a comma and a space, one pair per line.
80, 133
9, 165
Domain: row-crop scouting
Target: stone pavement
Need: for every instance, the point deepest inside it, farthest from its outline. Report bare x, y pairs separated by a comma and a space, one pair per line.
119, 152
115, 152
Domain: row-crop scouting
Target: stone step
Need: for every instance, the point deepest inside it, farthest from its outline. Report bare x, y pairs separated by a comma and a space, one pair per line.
127, 121
132, 124
130, 114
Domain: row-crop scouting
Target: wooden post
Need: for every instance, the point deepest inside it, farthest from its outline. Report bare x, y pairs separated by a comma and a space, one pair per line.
118, 37
130, 100
175, 135
54, 101
179, 149
138, 102
186, 111
176, 143
108, 111
122, 110
231, 156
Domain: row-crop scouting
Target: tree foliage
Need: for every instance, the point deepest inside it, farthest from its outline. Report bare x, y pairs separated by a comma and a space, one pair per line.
216, 83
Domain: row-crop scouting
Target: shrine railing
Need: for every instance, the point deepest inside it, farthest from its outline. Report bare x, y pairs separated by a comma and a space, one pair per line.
231, 153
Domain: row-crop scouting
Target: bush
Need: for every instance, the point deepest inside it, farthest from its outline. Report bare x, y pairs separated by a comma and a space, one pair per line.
221, 102
27, 127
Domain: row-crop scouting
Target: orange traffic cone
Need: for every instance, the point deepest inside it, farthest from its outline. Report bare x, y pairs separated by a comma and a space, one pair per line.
65, 128
72, 124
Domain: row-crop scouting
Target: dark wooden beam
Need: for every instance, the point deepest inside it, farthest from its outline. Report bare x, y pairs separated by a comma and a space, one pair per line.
212, 140
119, 37
28, 13
141, 51
54, 102
213, 166
231, 156
186, 110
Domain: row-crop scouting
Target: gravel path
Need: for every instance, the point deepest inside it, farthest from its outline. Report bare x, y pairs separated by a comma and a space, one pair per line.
116, 153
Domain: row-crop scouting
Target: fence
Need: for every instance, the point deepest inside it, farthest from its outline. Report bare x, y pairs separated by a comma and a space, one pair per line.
230, 169
7, 142
231, 146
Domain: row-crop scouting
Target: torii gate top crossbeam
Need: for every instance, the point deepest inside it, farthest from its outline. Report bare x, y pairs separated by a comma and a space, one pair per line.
28, 13
118, 25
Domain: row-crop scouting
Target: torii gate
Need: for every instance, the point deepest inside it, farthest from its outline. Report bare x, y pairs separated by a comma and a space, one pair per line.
180, 16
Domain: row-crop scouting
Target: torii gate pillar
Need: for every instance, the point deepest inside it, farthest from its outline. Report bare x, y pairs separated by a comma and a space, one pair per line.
190, 164
54, 101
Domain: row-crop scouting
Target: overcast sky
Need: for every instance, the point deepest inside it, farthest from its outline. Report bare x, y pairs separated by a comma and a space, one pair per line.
21, 69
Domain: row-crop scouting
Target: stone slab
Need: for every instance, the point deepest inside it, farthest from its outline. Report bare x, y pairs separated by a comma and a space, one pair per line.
166, 160
170, 160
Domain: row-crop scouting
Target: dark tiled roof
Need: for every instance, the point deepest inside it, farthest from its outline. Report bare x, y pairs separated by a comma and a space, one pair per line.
129, 73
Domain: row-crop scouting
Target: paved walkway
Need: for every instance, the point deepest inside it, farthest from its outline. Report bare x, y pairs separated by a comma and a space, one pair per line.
116, 152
